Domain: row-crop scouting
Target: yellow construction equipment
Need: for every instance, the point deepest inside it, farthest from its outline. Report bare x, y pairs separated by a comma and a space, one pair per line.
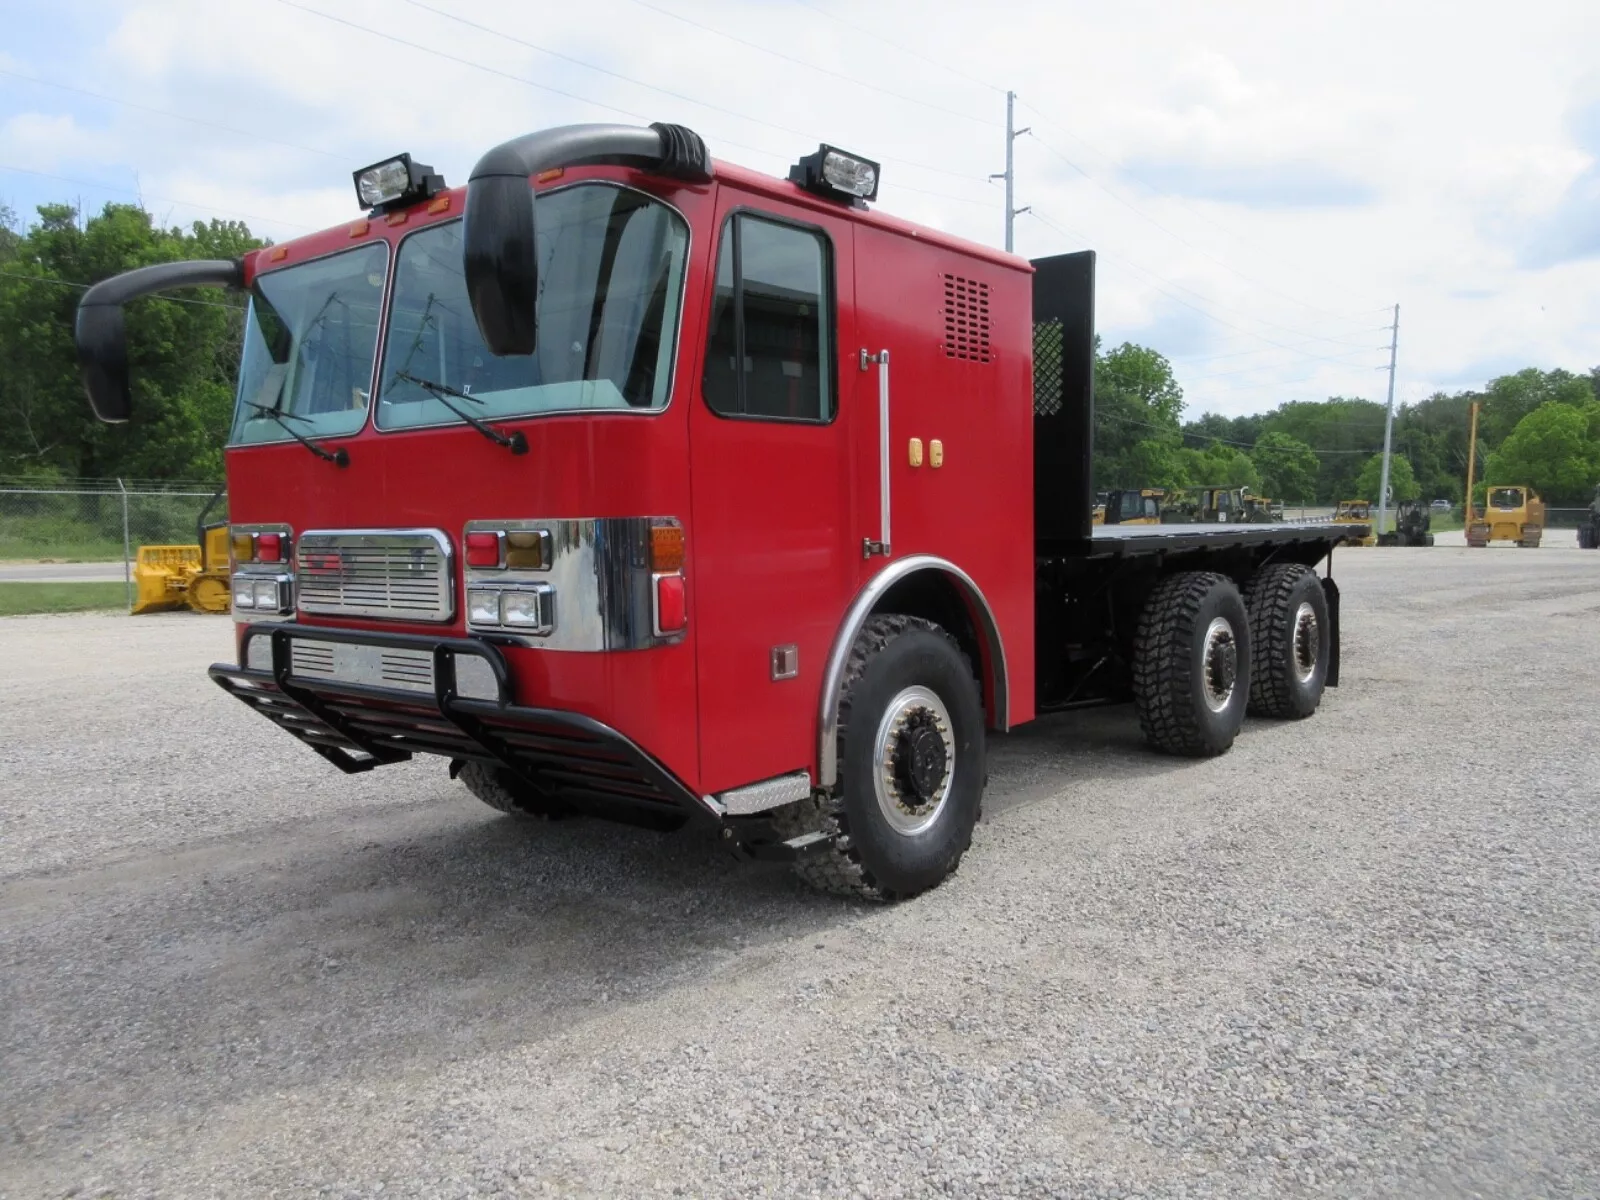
1132, 506
173, 577
1510, 514
1356, 512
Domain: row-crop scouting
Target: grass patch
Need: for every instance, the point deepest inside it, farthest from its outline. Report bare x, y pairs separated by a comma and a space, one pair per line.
20, 599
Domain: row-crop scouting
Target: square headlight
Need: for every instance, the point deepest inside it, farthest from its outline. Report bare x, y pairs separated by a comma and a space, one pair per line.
483, 608
527, 609
244, 593
267, 595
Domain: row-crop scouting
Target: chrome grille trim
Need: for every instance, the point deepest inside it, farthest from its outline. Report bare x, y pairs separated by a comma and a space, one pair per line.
394, 574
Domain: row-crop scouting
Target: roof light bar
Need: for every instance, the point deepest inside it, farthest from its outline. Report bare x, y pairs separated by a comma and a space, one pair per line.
395, 182
834, 172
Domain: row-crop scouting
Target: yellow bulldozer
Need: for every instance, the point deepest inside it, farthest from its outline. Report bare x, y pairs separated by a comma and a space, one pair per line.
1510, 514
1356, 512
195, 577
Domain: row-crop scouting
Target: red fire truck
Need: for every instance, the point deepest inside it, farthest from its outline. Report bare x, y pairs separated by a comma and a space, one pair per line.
645, 486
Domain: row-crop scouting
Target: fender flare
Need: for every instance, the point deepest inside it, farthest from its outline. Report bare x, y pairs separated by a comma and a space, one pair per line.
860, 609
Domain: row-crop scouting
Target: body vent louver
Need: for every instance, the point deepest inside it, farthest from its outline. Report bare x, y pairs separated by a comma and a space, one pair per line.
966, 319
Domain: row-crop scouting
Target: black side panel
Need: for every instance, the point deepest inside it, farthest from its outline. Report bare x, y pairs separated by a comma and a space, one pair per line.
1063, 396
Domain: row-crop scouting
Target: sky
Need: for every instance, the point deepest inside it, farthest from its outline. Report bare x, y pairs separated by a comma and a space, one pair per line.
1263, 181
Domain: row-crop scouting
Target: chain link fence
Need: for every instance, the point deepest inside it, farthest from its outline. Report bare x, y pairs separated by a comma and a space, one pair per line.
91, 529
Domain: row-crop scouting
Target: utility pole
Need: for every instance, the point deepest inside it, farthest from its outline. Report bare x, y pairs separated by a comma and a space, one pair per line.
1010, 175
1472, 455
1388, 424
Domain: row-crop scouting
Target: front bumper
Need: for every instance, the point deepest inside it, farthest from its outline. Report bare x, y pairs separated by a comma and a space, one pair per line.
572, 759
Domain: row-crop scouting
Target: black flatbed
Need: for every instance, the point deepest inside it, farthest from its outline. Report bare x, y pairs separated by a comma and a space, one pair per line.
1116, 541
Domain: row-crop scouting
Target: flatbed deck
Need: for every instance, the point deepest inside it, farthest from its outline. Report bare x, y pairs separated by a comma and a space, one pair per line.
1118, 540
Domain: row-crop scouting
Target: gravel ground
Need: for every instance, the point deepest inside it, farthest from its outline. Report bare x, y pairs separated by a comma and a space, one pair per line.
1354, 957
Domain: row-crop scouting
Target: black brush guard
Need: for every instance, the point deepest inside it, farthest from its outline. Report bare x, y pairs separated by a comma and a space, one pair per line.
571, 759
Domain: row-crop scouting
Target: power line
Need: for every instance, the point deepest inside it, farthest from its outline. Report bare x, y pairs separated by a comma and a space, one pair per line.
162, 112
600, 104
1206, 437
800, 62
879, 39
236, 308
1157, 280
1118, 165
106, 187
1128, 204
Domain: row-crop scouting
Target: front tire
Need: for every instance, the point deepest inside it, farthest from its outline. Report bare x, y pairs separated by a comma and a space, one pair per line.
1191, 664
1290, 639
911, 766
504, 792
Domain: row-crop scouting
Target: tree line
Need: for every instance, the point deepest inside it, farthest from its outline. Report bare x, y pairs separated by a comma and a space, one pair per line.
1540, 428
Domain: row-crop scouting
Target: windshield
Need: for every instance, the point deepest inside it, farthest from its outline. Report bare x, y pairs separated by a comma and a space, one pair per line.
610, 276
310, 336
1505, 497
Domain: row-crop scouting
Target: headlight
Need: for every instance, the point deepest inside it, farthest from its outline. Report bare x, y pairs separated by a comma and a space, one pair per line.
483, 608
266, 594
244, 595
526, 609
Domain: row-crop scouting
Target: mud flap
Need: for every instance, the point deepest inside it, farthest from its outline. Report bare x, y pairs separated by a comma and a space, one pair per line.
1330, 591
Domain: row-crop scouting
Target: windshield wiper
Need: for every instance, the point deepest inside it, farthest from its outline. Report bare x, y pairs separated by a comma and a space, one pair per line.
339, 457
515, 442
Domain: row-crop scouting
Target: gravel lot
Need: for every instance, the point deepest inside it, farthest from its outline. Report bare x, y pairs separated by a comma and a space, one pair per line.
1355, 957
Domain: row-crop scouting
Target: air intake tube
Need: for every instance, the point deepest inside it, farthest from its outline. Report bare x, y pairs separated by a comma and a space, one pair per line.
101, 333
499, 252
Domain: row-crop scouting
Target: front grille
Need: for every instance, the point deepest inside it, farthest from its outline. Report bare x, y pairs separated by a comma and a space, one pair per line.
372, 666
404, 575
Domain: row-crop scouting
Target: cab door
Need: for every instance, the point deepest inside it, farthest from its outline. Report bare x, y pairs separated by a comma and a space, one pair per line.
774, 548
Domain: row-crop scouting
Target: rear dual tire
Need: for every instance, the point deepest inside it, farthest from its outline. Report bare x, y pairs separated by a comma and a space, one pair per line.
1291, 640
1191, 664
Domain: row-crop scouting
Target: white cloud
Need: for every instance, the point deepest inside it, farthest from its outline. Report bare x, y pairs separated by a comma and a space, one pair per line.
1264, 175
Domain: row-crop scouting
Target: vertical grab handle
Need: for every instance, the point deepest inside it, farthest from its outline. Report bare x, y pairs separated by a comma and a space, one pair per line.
881, 546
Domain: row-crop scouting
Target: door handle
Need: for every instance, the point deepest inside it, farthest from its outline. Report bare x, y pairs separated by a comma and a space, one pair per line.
881, 546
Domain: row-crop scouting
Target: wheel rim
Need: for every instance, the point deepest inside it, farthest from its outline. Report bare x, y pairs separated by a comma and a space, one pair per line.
1219, 664
914, 760
1305, 643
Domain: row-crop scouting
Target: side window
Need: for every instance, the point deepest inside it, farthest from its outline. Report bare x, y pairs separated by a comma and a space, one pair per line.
769, 353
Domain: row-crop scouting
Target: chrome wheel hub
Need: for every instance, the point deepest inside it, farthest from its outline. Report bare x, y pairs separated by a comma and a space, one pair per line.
1305, 642
914, 760
1219, 664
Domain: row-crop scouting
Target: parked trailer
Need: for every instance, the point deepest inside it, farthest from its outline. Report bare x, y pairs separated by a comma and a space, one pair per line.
720, 500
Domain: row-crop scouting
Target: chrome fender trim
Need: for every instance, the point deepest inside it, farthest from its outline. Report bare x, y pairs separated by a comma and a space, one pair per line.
856, 617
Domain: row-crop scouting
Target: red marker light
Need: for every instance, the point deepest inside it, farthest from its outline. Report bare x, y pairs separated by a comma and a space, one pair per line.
672, 608
269, 547
483, 549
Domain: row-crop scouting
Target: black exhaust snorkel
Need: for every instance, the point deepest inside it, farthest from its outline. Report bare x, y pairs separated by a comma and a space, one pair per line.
499, 252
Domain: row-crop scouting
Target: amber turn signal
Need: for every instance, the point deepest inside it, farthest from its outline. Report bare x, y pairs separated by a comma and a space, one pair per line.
666, 547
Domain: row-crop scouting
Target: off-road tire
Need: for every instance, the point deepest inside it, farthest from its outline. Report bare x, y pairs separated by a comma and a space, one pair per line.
1168, 675
867, 857
1427, 539
1272, 599
504, 792
1585, 538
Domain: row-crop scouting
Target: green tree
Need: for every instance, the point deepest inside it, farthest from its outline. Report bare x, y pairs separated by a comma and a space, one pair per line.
1555, 450
1137, 399
183, 349
1288, 466
1341, 430
1402, 480
1221, 466
1150, 462
1511, 397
